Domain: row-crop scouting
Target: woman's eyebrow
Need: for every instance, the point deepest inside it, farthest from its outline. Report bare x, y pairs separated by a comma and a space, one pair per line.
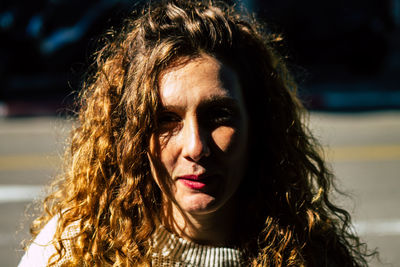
225, 101
209, 102
172, 107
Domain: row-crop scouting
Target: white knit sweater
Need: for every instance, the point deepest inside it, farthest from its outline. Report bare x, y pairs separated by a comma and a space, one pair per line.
169, 250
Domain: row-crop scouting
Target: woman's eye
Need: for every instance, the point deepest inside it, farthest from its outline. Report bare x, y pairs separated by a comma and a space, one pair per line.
222, 116
168, 119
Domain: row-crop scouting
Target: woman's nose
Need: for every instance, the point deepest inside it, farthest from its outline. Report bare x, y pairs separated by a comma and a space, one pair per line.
195, 143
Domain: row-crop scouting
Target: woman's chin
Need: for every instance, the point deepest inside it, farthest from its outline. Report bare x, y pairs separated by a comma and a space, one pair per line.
198, 204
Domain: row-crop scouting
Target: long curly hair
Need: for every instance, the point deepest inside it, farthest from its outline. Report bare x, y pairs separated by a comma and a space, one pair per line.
107, 188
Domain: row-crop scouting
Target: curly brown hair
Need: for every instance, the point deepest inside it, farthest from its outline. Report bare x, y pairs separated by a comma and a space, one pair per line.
108, 188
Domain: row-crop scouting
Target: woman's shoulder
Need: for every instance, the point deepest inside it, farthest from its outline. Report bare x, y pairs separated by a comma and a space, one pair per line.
44, 246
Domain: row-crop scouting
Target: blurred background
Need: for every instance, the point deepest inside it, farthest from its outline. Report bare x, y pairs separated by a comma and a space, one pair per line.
345, 56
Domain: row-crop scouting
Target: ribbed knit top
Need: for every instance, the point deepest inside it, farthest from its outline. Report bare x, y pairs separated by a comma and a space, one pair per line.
171, 250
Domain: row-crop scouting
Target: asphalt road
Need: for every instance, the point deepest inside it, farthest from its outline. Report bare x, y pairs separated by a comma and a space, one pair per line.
363, 149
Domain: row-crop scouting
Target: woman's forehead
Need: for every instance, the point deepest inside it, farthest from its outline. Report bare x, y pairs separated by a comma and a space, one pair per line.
204, 75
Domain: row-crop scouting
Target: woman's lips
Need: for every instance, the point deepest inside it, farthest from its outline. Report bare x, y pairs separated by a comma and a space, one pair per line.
195, 182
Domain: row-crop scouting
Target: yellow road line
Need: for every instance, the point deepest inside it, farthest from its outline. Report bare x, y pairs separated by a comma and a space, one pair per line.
29, 162
363, 153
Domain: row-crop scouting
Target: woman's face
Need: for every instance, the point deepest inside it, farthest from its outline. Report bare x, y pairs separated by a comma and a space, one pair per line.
201, 143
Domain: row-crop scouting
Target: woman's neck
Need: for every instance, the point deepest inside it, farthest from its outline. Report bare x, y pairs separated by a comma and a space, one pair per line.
215, 228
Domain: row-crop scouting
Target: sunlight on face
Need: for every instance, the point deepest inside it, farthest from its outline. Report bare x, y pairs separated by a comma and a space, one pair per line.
202, 138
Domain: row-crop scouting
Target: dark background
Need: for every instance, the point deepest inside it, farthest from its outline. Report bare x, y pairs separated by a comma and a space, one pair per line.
345, 54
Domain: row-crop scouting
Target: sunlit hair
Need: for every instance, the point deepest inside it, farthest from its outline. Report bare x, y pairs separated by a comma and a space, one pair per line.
108, 190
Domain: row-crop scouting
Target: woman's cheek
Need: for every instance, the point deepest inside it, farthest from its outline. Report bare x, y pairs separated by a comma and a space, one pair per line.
224, 138
169, 151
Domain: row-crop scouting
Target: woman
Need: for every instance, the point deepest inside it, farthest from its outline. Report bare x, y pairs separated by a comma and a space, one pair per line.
191, 151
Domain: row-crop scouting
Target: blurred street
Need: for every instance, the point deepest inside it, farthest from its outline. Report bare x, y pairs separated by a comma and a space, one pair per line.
363, 148
29, 156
